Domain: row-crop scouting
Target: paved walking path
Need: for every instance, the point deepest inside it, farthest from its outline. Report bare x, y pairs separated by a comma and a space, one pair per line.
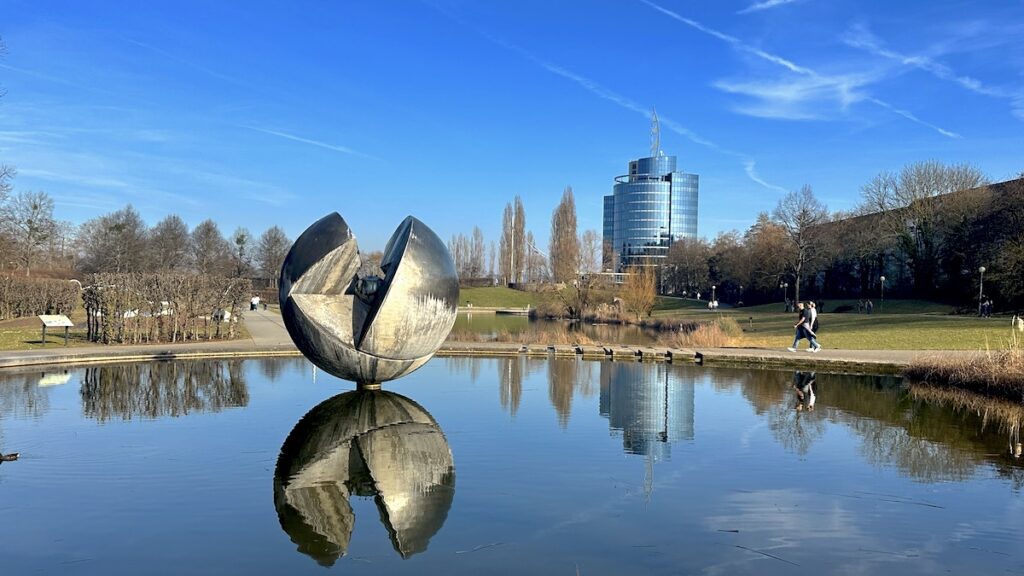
268, 336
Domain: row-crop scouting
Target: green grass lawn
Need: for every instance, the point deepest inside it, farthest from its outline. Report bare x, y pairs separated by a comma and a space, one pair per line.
850, 307
881, 331
896, 324
497, 297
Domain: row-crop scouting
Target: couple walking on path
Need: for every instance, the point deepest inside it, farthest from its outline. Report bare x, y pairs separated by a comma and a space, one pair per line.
806, 326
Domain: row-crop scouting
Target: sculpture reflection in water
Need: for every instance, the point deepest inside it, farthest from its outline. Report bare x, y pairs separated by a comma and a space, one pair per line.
363, 443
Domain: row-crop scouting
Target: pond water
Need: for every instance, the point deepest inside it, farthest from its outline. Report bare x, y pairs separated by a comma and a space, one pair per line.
496, 466
490, 325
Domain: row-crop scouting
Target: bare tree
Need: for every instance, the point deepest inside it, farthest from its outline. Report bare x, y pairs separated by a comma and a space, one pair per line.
519, 232
766, 244
491, 271
460, 249
6, 173
271, 250
113, 242
639, 291
590, 252
60, 247
536, 263
800, 214
30, 217
688, 265
211, 253
477, 247
243, 248
565, 247
513, 240
505, 257
168, 245
914, 206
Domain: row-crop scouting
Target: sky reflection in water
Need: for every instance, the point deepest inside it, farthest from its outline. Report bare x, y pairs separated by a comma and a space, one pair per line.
562, 465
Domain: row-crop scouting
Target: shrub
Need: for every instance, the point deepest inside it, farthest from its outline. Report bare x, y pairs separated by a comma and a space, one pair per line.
20, 297
164, 307
992, 373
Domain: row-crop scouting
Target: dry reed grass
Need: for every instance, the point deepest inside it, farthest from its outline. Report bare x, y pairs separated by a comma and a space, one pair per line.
550, 336
716, 334
998, 374
1007, 415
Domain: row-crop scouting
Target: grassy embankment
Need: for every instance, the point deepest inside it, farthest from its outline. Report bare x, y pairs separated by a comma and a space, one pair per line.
996, 373
896, 324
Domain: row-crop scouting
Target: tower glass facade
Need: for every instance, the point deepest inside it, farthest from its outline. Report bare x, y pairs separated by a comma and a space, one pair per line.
647, 210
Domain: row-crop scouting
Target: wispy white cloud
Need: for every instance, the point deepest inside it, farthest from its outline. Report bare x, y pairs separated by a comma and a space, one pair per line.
73, 178
750, 167
776, 99
245, 187
27, 136
287, 136
795, 98
51, 78
624, 102
911, 117
175, 58
604, 92
765, 5
860, 37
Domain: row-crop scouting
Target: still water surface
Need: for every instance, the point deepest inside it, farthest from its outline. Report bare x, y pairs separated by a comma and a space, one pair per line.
489, 326
496, 466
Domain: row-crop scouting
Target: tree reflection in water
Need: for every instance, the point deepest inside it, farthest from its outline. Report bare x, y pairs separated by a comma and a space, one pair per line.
566, 377
917, 433
273, 368
155, 389
363, 443
22, 396
511, 372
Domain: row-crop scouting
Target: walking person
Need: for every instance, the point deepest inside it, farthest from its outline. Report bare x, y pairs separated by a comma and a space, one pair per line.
803, 329
813, 325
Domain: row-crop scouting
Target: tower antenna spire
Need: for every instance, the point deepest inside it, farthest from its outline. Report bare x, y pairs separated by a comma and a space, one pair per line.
655, 133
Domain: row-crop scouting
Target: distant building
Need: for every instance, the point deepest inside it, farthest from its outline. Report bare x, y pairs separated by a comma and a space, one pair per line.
649, 208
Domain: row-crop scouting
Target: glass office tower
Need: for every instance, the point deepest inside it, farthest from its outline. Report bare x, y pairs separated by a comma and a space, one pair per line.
647, 210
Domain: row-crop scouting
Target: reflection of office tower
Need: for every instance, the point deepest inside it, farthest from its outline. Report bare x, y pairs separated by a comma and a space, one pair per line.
363, 443
651, 404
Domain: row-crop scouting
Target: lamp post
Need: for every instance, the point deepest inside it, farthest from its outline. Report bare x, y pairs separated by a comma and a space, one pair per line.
713, 294
981, 287
785, 293
881, 293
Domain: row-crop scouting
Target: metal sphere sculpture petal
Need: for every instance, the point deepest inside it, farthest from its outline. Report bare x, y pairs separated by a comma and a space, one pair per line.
366, 328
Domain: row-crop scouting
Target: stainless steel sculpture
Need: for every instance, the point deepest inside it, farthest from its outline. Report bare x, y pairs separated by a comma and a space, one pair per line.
363, 443
366, 328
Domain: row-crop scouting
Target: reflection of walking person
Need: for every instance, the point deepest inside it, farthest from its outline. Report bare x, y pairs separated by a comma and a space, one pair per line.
804, 383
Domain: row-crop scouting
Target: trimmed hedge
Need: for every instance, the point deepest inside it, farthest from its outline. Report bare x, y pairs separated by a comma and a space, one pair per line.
132, 308
20, 297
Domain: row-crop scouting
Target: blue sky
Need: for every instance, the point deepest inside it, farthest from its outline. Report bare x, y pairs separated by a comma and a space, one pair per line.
263, 113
